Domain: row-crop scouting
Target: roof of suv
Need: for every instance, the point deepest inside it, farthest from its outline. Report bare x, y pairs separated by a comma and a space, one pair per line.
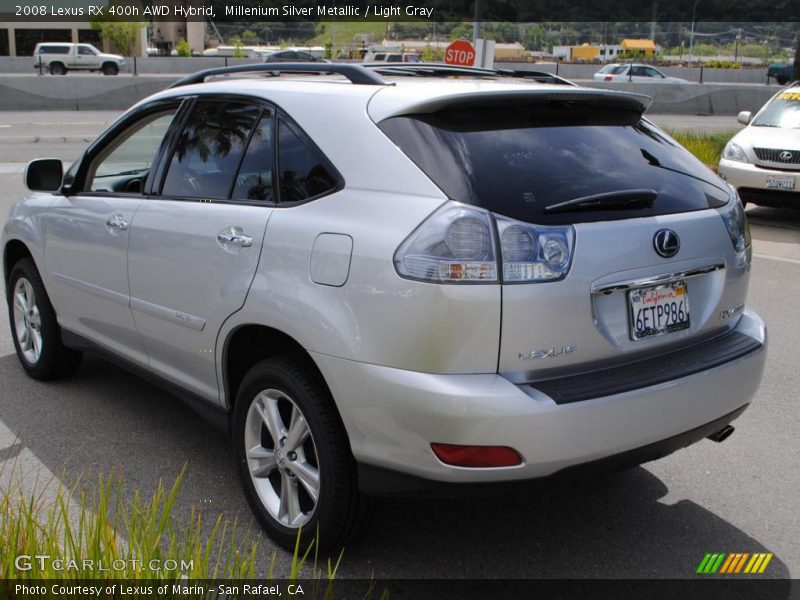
403, 95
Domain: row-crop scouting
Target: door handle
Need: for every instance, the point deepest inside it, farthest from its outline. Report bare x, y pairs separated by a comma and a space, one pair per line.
234, 236
117, 222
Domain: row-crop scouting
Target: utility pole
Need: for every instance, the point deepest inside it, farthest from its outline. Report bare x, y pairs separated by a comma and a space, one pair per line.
736, 47
691, 35
476, 24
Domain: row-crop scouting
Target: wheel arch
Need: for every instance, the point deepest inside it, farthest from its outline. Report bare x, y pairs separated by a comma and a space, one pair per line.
14, 251
248, 344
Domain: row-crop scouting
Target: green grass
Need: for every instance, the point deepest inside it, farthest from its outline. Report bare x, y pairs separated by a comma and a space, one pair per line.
345, 31
707, 147
100, 523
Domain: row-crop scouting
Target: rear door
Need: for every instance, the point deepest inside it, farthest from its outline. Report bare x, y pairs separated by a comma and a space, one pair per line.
580, 279
195, 243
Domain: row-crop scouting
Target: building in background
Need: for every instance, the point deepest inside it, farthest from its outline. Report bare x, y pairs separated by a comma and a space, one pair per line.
644, 48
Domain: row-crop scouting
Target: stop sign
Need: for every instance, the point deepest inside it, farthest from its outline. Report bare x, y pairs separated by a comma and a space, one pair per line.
460, 53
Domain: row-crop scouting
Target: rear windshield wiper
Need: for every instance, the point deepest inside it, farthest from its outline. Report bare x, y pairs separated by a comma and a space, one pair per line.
619, 200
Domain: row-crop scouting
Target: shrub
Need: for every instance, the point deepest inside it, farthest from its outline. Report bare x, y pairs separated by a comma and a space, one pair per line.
183, 48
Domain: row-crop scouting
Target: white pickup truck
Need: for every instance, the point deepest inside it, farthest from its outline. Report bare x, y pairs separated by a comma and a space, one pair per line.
58, 58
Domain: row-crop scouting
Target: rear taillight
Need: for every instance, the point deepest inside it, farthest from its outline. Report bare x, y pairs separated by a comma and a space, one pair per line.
608, 78
534, 253
466, 244
737, 226
455, 244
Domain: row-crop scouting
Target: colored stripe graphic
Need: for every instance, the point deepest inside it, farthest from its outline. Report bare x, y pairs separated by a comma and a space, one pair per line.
734, 563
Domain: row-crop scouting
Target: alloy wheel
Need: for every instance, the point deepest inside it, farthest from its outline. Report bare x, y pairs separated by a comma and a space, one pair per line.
282, 458
27, 321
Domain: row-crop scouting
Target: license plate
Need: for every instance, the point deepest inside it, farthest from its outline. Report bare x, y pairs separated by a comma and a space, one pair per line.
780, 182
658, 310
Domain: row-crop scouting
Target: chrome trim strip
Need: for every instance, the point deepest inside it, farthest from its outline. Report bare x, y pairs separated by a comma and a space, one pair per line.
616, 286
168, 314
95, 290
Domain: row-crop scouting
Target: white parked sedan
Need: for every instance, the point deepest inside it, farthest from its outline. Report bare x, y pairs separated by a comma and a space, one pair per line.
762, 161
636, 73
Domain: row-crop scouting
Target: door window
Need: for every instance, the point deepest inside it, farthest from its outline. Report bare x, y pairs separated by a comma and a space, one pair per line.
255, 178
85, 51
651, 72
209, 148
303, 172
123, 165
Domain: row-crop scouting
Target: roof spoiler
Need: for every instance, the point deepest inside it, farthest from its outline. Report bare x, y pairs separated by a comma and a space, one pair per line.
624, 101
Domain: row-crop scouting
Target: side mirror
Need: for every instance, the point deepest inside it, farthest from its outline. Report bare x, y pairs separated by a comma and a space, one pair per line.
744, 117
44, 175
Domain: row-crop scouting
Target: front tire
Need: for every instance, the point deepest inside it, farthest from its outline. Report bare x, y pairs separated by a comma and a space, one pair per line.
34, 327
782, 79
110, 69
294, 458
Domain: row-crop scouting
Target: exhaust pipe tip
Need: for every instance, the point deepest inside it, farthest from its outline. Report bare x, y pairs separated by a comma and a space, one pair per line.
723, 434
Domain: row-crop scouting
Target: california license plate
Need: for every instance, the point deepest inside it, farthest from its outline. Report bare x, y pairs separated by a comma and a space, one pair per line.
780, 182
658, 310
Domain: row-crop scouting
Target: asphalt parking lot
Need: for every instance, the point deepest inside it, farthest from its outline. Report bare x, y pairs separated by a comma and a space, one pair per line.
654, 521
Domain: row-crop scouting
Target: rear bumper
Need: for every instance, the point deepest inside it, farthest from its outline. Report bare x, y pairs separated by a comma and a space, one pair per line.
378, 481
392, 416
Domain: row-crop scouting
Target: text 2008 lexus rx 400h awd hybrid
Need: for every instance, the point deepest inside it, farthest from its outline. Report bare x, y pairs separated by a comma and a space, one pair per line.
387, 284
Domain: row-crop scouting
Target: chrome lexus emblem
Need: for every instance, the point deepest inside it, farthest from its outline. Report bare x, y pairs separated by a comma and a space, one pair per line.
666, 243
786, 155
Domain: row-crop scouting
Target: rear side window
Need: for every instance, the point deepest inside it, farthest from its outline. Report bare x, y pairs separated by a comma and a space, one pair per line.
303, 172
54, 49
519, 160
209, 149
255, 178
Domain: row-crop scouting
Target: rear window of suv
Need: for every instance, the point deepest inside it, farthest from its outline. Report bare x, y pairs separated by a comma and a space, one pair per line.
518, 160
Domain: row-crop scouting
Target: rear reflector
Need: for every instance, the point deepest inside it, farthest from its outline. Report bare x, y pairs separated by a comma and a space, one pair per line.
476, 456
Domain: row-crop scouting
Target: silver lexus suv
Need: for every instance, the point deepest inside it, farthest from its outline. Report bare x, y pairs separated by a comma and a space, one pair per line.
382, 283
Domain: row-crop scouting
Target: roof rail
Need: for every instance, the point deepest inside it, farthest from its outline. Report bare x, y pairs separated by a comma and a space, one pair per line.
423, 69
357, 74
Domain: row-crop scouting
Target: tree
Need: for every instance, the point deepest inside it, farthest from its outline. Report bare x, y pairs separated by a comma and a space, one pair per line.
462, 31
249, 37
121, 35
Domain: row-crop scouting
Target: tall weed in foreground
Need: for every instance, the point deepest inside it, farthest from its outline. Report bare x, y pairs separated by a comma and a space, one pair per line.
132, 537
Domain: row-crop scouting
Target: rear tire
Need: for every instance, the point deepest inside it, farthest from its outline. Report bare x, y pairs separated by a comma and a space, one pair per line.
34, 327
291, 446
57, 68
110, 69
782, 79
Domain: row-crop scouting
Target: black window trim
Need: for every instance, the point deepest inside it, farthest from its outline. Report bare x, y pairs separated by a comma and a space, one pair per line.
158, 171
277, 113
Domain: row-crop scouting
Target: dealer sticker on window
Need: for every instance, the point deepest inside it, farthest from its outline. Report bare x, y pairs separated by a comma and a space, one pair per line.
658, 310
